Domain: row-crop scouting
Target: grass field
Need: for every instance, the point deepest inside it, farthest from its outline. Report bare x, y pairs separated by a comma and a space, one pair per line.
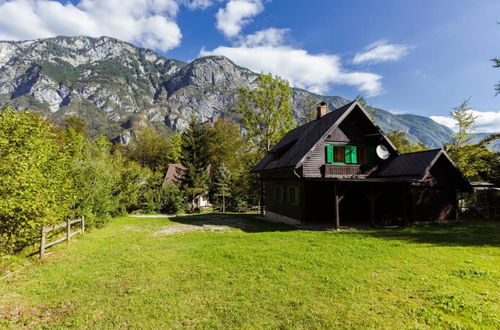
189, 272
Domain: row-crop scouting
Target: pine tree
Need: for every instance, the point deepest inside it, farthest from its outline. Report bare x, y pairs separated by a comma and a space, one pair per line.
267, 111
174, 148
223, 180
195, 158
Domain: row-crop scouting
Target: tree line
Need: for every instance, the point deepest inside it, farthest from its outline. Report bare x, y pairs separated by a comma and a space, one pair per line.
50, 172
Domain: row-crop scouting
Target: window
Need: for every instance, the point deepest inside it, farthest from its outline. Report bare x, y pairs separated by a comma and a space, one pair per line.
339, 155
349, 155
278, 193
366, 155
363, 155
371, 155
293, 195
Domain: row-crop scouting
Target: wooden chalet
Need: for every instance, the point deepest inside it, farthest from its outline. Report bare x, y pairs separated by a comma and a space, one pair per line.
341, 170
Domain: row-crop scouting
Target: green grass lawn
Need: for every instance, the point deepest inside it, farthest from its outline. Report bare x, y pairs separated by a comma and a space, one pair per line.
147, 273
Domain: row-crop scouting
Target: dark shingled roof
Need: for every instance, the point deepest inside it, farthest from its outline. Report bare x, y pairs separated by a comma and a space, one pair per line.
410, 166
299, 141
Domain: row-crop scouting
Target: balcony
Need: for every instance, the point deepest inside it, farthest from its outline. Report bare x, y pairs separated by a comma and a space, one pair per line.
331, 170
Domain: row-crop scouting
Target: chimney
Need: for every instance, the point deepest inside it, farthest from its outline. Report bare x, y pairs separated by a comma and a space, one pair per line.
321, 110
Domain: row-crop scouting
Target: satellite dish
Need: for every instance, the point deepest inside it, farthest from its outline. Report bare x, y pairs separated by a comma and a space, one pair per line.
382, 152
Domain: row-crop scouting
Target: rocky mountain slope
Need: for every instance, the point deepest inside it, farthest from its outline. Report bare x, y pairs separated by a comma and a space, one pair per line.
115, 85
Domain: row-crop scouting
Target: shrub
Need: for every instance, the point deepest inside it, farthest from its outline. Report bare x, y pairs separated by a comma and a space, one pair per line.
35, 189
168, 199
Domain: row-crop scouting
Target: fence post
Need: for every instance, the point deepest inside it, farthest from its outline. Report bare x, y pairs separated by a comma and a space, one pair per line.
42, 243
68, 230
83, 224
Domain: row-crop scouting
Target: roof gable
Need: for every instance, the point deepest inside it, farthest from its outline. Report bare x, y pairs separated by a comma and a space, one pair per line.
417, 165
298, 143
412, 164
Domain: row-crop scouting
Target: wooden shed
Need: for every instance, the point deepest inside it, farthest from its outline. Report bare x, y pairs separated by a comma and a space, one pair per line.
340, 169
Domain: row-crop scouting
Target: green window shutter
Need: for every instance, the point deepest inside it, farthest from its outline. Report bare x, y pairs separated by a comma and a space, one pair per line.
371, 155
347, 151
351, 156
298, 196
329, 154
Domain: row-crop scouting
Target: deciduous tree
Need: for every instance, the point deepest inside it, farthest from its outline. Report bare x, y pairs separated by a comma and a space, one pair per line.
371, 111
267, 111
152, 149
402, 142
471, 158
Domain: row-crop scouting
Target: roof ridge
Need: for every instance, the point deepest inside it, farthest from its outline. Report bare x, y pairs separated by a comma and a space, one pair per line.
314, 120
420, 151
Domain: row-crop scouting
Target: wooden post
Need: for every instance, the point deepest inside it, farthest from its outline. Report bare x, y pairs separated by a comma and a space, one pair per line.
68, 230
404, 197
337, 213
372, 197
83, 224
372, 212
261, 197
413, 206
42, 244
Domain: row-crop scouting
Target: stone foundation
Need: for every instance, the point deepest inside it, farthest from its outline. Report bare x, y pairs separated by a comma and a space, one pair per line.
275, 217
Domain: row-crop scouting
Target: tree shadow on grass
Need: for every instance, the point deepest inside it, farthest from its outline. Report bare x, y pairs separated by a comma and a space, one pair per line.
249, 223
469, 233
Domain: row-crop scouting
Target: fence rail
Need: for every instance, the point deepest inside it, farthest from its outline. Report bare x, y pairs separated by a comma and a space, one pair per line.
43, 243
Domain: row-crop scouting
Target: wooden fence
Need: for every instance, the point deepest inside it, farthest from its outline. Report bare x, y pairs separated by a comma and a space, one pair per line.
44, 245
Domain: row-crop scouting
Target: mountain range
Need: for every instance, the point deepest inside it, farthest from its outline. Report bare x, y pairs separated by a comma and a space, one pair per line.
116, 86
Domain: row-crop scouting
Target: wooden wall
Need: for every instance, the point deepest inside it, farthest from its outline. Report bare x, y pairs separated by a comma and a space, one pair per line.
436, 199
284, 208
355, 129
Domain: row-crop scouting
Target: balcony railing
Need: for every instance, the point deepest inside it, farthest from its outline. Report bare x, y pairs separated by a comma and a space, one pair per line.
330, 170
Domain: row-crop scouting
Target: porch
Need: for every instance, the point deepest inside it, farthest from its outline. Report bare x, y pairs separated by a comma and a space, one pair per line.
340, 203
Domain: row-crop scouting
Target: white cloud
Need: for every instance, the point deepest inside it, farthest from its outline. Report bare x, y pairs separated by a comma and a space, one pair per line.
236, 14
381, 51
315, 72
149, 23
486, 121
443, 120
197, 4
267, 37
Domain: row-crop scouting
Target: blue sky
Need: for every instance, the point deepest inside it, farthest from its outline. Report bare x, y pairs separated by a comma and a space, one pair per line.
422, 56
